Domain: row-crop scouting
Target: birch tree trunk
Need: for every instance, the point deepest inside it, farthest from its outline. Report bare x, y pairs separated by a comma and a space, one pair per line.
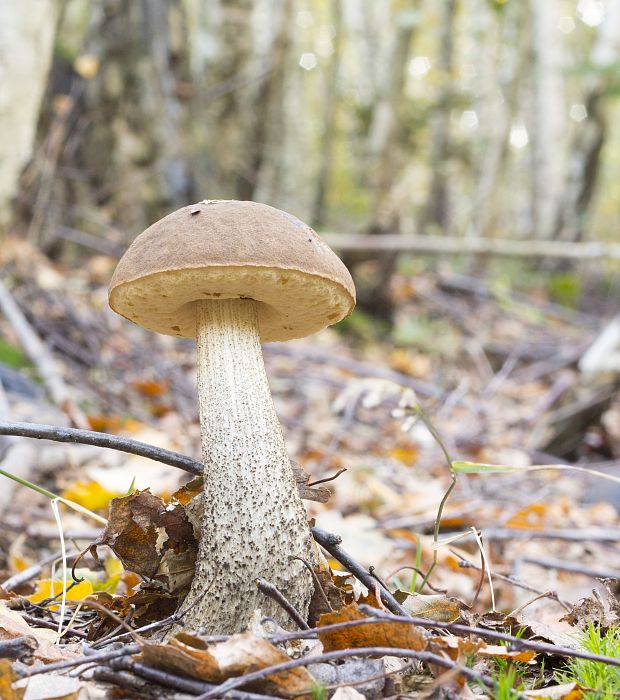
27, 31
496, 107
439, 201
548, 118
585, 151
328, 120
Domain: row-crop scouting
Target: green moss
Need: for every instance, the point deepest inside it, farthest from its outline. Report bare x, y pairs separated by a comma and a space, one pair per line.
12, 356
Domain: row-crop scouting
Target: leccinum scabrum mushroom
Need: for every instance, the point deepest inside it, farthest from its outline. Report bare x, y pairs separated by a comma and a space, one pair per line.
231, 274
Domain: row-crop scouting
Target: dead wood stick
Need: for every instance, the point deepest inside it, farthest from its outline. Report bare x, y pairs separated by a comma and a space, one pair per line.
452, 245
424, 656
331, 543
573, 567
22, 576
125, 650
187, 685
40, 356
564, 535
19, 648
272, 592
92, 437
39, 431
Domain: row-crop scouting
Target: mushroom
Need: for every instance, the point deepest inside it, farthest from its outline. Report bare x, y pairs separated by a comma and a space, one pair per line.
232, 274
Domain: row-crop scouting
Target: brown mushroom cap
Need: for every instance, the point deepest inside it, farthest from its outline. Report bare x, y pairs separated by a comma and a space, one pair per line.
225, 249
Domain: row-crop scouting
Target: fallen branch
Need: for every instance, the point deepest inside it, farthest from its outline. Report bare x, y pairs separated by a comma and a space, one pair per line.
40, 356
272, 592
113, 442
451, 245
20, 648
573, 567
331, 543
424, 656
142, 449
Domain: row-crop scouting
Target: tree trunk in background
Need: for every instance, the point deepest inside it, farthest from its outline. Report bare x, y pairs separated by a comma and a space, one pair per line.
496, 108
385, 158
115, 145
548, 117
238, 56
585, 152
438, 213
329, 120
386, 125
27, 30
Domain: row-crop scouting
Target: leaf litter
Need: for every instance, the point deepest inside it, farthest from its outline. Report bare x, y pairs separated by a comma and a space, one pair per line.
490, 397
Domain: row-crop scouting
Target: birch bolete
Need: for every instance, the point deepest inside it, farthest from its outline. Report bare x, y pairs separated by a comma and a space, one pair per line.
232, 274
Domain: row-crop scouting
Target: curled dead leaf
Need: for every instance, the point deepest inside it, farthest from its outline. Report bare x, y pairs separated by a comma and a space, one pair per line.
383, 633
189, 655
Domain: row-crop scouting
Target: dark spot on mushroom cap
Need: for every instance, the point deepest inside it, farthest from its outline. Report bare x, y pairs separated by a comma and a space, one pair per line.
176, 328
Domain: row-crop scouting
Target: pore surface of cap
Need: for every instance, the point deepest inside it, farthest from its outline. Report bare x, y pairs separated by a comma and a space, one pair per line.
225, 249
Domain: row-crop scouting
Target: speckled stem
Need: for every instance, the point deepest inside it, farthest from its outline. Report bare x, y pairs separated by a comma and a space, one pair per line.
253, 518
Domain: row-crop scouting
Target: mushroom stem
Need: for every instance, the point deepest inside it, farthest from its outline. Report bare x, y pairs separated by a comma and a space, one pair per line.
253, 519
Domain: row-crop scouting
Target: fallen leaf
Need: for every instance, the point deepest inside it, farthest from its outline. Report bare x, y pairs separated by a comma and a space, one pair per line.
382, 633
191, 656
90, 494
7, 692
49, 687
152, 538
600, 610
46, 589
438, 607
567, 691
12, 625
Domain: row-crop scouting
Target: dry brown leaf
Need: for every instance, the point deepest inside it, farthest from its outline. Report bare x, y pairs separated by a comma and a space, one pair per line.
190, 656
398, 635
567, 691
152, 538
7, 692
602, 610
436, 607
12, 625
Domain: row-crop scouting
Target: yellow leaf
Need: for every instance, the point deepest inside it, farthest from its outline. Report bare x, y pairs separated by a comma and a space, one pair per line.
45, 589
89, 494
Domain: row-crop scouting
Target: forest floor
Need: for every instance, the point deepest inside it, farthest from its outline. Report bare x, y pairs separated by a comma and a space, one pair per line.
472, 374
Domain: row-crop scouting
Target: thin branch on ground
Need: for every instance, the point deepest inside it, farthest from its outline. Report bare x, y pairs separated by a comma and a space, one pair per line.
113, 442
424, 656
331, 543
272, 592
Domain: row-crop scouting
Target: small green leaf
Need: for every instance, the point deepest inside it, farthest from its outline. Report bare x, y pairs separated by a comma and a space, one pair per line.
478, 468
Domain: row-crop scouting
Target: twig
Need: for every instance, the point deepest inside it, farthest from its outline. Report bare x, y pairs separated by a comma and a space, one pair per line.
40, 431
27, 574
573, 567
48, 624
455, 627
188, 685
87, 659
113, 442
318, 586
566, 535
272, 592
451, 245
41, 357
517, 583
516, 611
516, 642
424, 656
19, 648
331, 543
329, 478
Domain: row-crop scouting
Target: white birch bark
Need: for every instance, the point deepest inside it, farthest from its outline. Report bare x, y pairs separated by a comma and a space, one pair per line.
548, 117
585, 150
27, 29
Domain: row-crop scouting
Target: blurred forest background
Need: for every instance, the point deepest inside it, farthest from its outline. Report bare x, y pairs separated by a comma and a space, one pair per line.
471, 118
